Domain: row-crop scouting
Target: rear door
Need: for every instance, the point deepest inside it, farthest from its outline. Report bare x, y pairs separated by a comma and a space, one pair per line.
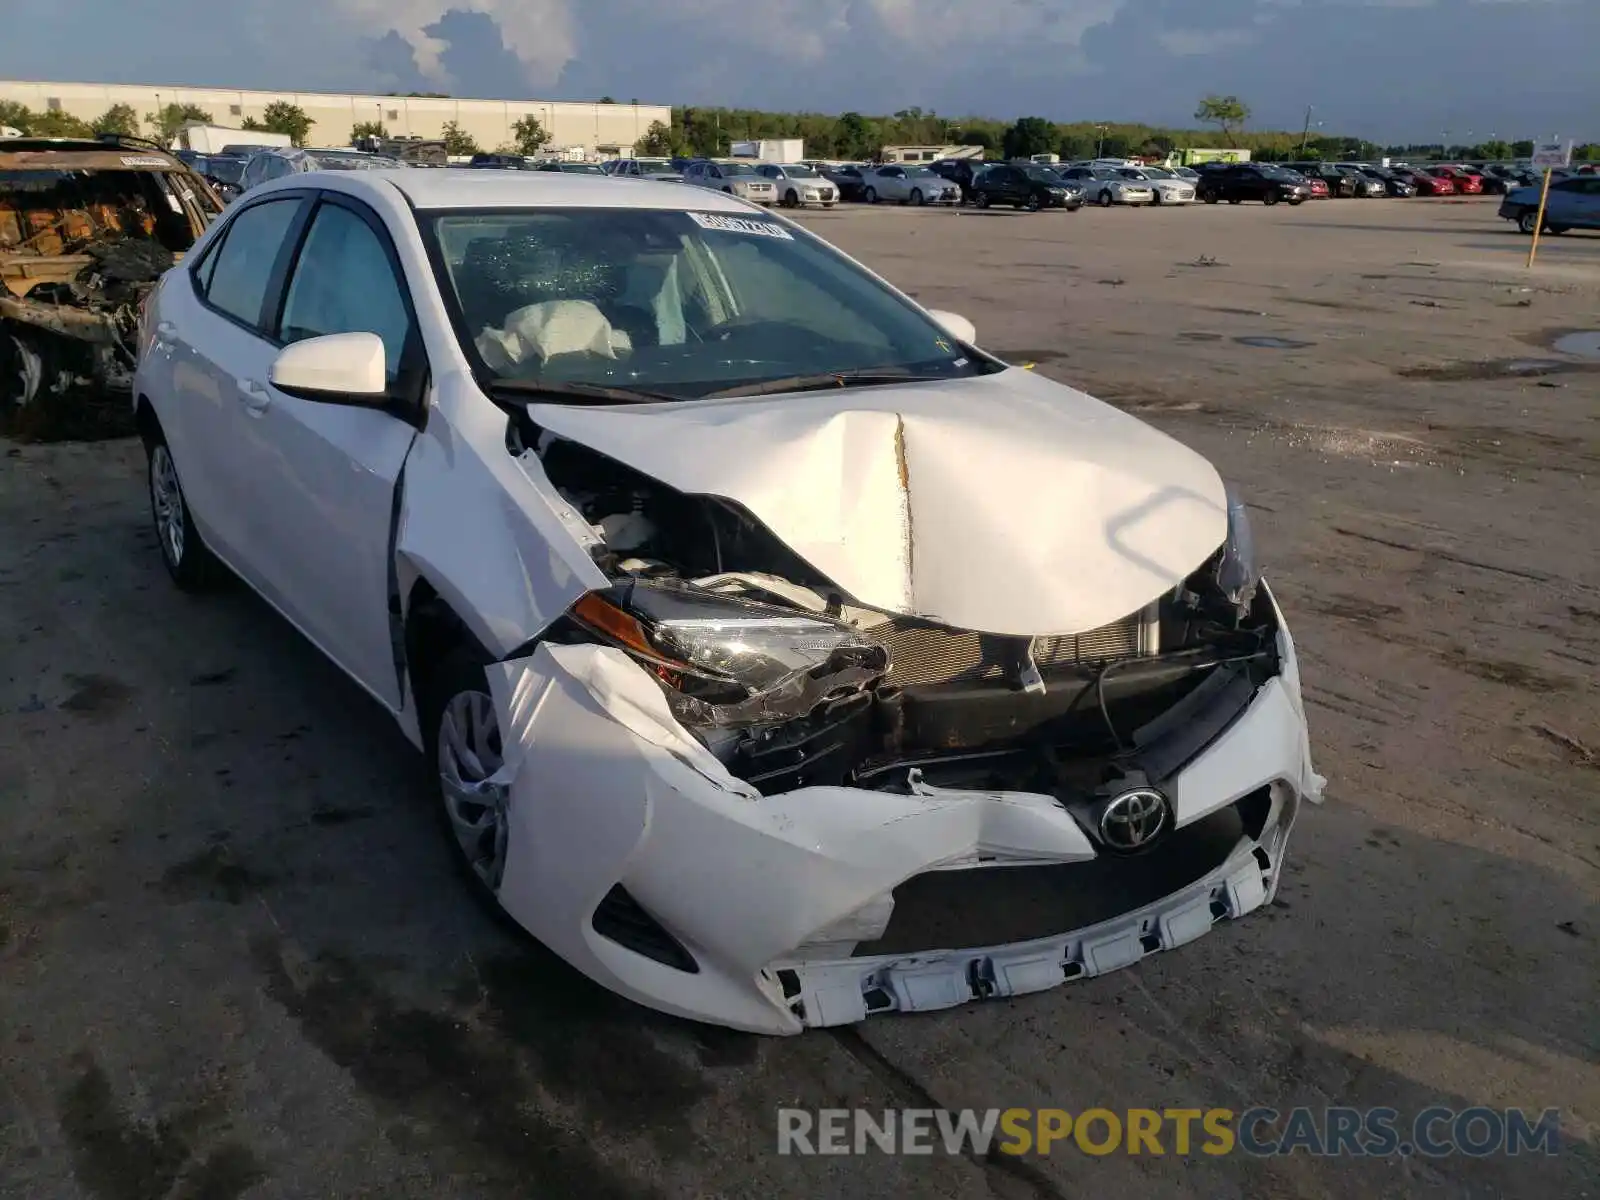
213, 325
323, 474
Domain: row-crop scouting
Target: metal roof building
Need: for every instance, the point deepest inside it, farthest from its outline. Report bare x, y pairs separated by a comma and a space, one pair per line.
607, 129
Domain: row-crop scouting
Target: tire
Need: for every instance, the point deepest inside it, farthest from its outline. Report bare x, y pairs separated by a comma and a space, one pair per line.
1033, 203
1235, 200
22, 369
1558, 230
188, 559
1295, 201
1106, 199
453, 685
870, 195
1528, 221
791, 199
1155, 197
916, 197
983, 200
1210, 197
1269, 198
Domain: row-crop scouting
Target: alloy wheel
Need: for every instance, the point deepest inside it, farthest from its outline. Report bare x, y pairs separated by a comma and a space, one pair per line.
469, 754
166, 505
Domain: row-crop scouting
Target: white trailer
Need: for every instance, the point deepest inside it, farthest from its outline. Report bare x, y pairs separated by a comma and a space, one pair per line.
210, 139
775, 150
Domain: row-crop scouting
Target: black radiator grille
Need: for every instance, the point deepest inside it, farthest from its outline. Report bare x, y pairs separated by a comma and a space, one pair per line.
920, 653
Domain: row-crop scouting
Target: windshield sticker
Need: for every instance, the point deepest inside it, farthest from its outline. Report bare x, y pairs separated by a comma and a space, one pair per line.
740, 225
143, 160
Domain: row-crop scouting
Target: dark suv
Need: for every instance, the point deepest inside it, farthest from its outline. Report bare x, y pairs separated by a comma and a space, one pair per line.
1022, 186
1237, 182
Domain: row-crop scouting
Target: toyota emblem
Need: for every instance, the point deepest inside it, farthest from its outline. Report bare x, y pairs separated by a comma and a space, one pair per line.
1134, 819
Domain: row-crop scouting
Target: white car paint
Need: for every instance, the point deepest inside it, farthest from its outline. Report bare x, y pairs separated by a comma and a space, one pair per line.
1118, 189
954, 515
951, 499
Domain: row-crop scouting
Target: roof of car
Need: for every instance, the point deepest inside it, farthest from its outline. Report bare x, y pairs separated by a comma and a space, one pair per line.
449, 189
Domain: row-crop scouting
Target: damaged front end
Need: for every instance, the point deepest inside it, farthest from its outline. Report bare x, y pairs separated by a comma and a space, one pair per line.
86, 230
741, 796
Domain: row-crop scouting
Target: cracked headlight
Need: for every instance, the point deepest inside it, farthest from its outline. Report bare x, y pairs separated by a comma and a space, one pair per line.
1237, 572
725, 662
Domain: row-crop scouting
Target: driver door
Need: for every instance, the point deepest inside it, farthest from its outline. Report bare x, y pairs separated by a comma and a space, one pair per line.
320, 475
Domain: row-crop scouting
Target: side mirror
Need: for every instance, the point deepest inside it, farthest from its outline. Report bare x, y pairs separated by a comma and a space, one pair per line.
955, 325
336, 367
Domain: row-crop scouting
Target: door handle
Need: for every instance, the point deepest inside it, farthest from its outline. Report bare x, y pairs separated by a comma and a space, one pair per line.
256, 398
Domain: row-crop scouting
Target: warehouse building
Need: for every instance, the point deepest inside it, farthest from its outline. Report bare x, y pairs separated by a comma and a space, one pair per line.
604, 129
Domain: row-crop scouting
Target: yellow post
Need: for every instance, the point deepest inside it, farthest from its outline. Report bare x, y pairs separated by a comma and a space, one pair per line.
1544, 194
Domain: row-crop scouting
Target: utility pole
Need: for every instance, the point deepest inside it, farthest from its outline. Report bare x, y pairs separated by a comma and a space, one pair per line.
1100, 146
1305, 137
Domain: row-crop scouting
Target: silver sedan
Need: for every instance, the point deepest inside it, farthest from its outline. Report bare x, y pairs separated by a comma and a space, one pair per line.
907, 184
799, 185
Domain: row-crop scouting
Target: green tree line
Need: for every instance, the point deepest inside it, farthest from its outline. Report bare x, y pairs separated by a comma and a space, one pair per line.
709, 132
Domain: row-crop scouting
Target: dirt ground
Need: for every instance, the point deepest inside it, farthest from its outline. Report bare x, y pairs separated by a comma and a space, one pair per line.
234, 959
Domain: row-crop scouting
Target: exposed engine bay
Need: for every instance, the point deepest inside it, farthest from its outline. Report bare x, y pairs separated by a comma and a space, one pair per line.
790, 683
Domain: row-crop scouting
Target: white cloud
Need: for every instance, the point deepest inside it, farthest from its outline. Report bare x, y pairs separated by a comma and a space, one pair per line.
541, 33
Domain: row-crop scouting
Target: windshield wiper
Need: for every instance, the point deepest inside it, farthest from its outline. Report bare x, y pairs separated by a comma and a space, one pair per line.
817, 383
590, 393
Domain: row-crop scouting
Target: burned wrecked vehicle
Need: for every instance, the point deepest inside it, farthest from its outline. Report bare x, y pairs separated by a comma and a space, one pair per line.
86, 228
779, 657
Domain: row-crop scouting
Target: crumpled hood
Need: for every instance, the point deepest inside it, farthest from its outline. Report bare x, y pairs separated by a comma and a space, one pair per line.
1006, 504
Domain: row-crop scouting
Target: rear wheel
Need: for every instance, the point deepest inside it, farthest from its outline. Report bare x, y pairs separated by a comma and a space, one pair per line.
983, 200
1528, 221
190, 563
1558, 230
1210, 197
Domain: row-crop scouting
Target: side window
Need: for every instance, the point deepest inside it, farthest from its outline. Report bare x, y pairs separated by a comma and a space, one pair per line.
344, 283
244, 262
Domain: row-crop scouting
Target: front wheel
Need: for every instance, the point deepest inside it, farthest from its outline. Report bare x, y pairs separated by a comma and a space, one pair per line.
1270, 199
870, 195
1106, 199
1234, 200
916, 197
464, 750
791, 199
1295, 200
187, 558
1155, 196
1034, 204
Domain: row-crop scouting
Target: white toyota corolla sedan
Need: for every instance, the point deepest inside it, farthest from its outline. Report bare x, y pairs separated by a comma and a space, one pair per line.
782, 658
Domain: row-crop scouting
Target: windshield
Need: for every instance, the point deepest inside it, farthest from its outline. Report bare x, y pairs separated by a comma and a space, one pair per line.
1105, 173
798, 172
1133, 173
737, 168
920, 172
677, 303
1158, 173
1041, 174
224, 170
580, 169
653, 164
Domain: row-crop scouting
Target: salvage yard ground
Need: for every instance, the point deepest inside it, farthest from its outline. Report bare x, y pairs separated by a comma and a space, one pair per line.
234, 960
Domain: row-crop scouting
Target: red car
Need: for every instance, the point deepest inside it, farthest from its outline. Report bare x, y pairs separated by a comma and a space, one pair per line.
1429, 184
1468, 183
1319, 188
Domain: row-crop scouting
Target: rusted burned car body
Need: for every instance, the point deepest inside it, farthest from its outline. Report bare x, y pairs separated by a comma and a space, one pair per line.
86, 228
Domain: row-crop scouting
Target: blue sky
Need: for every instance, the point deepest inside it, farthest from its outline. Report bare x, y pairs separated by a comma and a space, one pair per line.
1383, 69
